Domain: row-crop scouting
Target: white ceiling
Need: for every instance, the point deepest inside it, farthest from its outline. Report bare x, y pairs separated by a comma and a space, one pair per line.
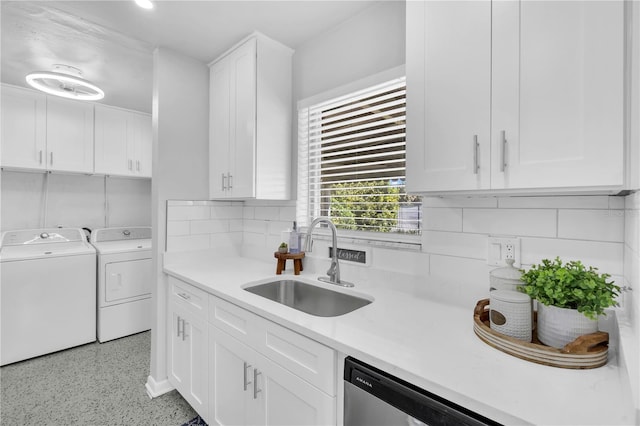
112, 41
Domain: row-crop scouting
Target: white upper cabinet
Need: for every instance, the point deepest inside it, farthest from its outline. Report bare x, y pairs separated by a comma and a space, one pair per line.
24, 127
250, 121
122, 142
515, 96
69, 135
46, 133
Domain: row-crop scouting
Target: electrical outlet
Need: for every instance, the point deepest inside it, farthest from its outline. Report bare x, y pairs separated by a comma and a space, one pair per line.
501, 248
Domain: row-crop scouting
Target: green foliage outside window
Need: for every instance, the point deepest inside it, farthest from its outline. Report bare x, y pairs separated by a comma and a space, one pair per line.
368, 206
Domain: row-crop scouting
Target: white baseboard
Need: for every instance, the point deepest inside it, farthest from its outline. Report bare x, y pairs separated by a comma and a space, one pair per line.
155, 389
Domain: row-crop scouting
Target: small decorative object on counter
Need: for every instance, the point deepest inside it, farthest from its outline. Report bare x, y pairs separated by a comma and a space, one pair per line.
294, 239
505, 278
282, 261
511, 314
571, 287
283, 248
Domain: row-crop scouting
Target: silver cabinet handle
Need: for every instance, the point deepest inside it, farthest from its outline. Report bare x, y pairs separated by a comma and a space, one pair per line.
51, 158
256, 391
184, 330
40, 156
138, 165
230, 181
246, 383
476, 147
503, 159
130, 164
224, 186
178, 326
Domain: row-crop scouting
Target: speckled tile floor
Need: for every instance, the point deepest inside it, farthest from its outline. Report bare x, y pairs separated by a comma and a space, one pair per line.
91, 385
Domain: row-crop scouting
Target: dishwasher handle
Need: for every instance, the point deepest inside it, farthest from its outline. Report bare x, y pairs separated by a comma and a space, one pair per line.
418, 403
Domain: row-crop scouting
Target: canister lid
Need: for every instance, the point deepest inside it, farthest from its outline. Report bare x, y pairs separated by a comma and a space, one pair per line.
510, 296
508, 272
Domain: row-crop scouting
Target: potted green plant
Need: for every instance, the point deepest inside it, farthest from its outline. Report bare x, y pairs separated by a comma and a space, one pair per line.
570, 298
283, 248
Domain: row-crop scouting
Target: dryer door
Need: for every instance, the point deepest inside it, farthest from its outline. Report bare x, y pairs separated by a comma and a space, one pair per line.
127, 280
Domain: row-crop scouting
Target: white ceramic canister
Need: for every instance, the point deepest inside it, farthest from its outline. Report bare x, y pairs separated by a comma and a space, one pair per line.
505, 278
510, 313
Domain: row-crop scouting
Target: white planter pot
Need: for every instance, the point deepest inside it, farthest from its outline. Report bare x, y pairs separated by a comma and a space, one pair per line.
559, 326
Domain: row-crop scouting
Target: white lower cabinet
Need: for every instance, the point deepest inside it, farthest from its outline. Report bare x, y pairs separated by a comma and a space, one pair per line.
247, 388
188, 343
237, 368
188, 358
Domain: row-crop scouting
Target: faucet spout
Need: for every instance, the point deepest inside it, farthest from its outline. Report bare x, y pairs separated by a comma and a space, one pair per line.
333, 274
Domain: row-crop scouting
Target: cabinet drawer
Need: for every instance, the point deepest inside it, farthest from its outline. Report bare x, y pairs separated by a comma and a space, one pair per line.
304, 357
189, 297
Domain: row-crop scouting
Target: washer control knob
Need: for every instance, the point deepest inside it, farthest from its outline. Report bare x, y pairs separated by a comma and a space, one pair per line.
126, 232
44, 235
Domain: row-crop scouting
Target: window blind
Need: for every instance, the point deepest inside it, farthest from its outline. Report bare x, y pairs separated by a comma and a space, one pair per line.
352, 162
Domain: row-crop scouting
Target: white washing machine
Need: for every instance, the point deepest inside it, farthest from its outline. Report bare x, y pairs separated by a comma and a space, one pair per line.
47, 292
125, 281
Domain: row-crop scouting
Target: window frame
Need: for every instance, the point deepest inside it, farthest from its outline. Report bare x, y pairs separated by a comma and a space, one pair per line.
370, 238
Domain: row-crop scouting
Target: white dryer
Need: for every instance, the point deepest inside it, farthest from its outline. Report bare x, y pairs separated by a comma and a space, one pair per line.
125, 281
48, 292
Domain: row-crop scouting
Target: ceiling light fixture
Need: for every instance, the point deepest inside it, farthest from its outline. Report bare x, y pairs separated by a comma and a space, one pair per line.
145, 4
65, 81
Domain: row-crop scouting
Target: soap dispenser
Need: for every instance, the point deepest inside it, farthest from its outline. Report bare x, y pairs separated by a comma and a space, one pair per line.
294, 239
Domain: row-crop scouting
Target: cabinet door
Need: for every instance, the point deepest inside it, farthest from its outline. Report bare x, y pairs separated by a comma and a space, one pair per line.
231, 384
69, 135
219, 130
111, 147
23, 128
243, 120
178, 353
144, 145
286, 399
558, 94
448, 95
196, 336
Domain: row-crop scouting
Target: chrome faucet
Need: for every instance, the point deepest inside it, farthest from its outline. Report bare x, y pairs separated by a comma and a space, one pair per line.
334, 270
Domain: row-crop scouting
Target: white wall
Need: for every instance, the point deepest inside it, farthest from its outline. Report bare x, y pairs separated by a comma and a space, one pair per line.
180, 170
631, 331
37, 200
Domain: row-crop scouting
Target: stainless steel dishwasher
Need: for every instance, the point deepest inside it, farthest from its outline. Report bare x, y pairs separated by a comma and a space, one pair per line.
373, 397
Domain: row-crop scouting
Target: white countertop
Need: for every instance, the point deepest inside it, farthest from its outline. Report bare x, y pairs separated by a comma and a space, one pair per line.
430, 344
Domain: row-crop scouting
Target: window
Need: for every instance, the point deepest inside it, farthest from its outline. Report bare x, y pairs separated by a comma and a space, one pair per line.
351, 158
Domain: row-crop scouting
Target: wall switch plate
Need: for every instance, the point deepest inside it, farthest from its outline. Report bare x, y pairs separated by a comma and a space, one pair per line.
501, 248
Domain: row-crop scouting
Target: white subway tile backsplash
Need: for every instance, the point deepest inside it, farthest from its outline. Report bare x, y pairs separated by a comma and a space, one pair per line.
254, 239
442, 219
226, 212
248, 212
187, 242
188, 212
517, 222
455, 244
230, 239
212, 226
464, 202
557, 202
236, 225
255, 226
288, 213
605, 256
178, 227
596, 225
267, 213
275, 228
465, 280
411, 263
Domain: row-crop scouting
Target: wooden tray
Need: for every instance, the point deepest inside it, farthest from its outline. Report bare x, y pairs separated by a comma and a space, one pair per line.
587, 351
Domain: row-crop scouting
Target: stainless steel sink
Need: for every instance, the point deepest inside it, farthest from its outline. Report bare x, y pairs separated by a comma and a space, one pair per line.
309, 298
